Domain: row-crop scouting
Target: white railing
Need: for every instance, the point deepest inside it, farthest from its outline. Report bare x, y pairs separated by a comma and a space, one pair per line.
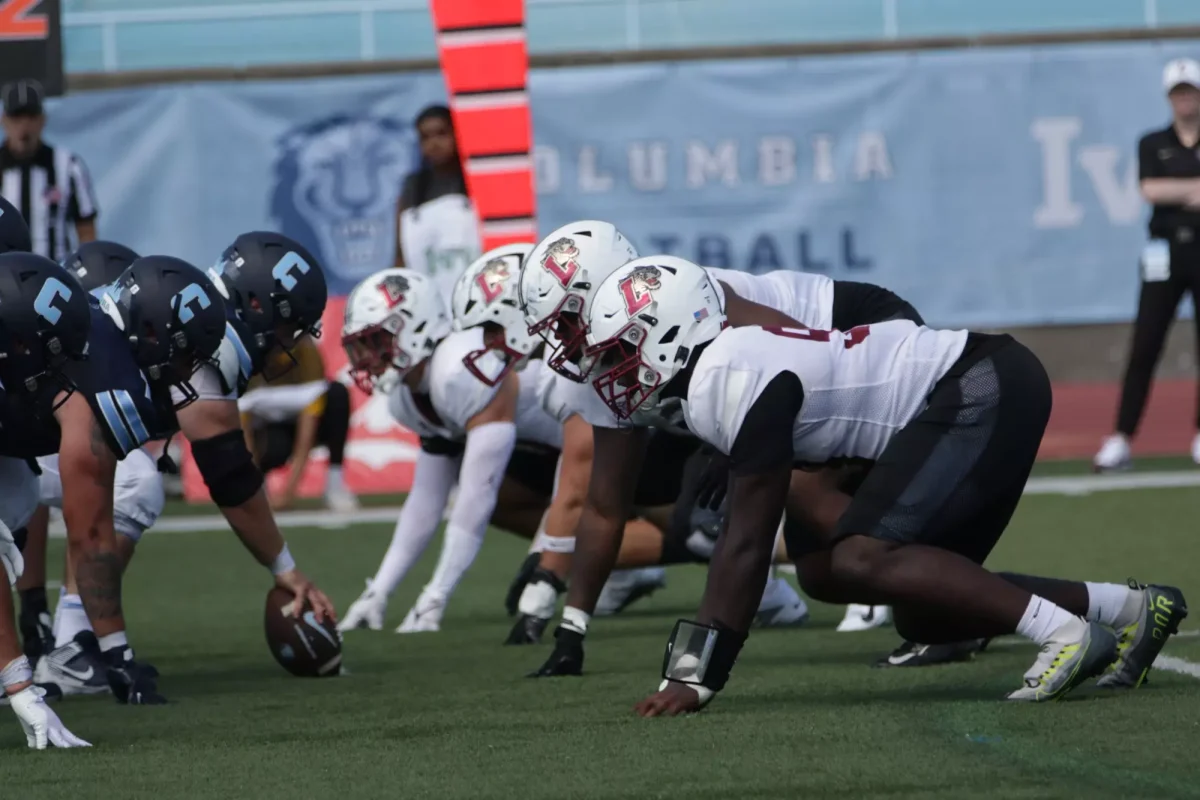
109, 21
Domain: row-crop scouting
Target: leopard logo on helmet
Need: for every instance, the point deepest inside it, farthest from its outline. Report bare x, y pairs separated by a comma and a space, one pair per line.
637, 288
394, 287
491, 279
560, 260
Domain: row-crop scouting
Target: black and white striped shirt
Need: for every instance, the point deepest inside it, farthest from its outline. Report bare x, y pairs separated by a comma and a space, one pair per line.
53, 191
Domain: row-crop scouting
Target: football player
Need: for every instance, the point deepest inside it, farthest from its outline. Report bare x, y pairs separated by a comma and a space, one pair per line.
486, 297
952, 421
44, 327
558, 282
493, 437
264, 293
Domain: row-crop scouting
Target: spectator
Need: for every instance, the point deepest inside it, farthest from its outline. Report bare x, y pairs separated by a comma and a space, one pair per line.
437, 231
50, 185
1169, 169
288, 414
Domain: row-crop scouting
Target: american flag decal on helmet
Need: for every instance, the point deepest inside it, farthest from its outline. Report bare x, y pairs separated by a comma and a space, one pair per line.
702, 314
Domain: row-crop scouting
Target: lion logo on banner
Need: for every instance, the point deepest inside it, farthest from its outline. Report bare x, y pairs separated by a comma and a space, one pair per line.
491, 279
337, 181
637, 287
560, 260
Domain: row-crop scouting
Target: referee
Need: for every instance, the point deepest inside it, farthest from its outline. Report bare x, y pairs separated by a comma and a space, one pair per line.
50, 185
1169, 170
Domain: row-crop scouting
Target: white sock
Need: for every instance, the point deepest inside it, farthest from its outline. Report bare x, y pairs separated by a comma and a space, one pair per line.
575, 620
401, 554
333, 477
1113, 604
459, 548
69, 619
113, 640
1042, 618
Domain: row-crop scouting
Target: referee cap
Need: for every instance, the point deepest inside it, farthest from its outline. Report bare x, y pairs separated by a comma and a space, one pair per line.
23, 97
1180, 72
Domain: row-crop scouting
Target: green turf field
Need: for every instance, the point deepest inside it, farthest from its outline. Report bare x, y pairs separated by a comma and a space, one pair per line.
450, 715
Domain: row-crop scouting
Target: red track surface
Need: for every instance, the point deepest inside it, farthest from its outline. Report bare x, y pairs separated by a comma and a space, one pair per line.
1084, 413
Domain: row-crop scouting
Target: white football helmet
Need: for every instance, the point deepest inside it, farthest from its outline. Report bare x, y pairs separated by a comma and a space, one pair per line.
394, 319
558, 282
486, 294
643, 324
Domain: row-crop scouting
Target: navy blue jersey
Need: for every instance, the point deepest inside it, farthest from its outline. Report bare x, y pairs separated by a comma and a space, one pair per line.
113, 385
238, 358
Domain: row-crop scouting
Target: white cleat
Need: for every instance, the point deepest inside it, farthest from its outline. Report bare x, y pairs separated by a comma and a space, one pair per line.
864, 618
781, 606
626, 586
1114, 454
365, 612
341, 500
424, 617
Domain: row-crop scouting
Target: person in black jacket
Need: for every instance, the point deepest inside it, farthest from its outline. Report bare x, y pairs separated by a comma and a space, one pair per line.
1169, 170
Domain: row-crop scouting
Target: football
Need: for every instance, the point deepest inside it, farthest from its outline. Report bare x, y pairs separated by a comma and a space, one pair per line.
302, 645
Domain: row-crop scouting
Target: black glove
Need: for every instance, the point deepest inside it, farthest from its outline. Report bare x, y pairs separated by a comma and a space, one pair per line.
524, 573
567, 658
527, 630
132, 683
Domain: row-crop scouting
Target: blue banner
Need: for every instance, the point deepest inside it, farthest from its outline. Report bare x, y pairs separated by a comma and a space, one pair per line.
989, 187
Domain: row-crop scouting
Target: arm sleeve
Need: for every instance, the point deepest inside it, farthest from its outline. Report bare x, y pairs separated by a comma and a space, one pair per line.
433, 479
764, 440
488, 450
83, 197
1148, 164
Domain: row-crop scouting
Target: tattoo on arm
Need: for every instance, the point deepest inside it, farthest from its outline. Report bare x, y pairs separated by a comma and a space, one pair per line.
98, 578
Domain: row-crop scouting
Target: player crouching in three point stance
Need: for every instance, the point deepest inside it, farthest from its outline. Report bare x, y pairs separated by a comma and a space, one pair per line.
496, 440
952, 420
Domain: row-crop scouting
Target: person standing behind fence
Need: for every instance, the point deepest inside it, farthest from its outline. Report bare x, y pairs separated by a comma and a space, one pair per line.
1169, 170
438, 233
50, 185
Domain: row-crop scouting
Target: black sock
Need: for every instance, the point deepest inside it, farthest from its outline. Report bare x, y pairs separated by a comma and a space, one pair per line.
33, 601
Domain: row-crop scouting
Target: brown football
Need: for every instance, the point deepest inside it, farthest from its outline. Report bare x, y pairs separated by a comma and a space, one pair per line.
302, 645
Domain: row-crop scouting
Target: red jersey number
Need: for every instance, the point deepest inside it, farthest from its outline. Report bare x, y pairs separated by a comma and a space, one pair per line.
852, 337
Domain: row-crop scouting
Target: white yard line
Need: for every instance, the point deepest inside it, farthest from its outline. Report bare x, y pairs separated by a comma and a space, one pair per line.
1170, 663
1076, 485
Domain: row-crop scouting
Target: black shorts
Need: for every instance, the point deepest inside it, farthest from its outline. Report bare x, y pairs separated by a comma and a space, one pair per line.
534, 466
953, 476
857, 304
661, 478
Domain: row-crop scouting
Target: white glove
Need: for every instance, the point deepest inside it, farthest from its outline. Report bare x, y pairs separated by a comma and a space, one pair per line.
42, 726
10, 556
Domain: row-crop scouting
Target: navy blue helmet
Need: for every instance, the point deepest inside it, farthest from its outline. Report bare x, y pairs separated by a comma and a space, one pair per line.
274, 285
14, 233
173, 318
44, 323
99, 263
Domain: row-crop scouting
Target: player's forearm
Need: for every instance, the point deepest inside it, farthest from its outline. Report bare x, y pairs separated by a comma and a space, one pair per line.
255, 526
737, 575
98, 566
597, 542
1170, 191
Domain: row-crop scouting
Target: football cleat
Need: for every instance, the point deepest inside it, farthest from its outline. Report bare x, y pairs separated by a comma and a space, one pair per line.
567, 658
626, 586
524, 573
340, 500
132, 683
1078, 650
424, 617
864, 618
781, 606
1140, 642
1114, 455
911, 654
365, 612
76, 668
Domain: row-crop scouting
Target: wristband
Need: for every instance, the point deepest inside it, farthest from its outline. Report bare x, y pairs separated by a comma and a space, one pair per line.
17, 671
701, 655
553, 544
283, 562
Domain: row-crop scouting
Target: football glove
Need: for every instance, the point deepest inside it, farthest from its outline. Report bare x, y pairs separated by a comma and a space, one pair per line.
41, 725
132, 683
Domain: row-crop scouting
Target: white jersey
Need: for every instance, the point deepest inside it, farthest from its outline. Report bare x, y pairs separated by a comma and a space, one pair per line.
858, 389
456, 396
804, 297
563, 398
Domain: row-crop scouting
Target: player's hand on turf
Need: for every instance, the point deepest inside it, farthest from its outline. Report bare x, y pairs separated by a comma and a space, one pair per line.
132, 683
42, 726
307, 593
671, 700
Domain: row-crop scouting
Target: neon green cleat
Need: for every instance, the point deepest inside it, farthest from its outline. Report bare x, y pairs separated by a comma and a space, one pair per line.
1078, 650
1140, 642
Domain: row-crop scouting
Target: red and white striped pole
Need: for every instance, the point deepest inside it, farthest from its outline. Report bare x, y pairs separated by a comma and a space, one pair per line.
481, 47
